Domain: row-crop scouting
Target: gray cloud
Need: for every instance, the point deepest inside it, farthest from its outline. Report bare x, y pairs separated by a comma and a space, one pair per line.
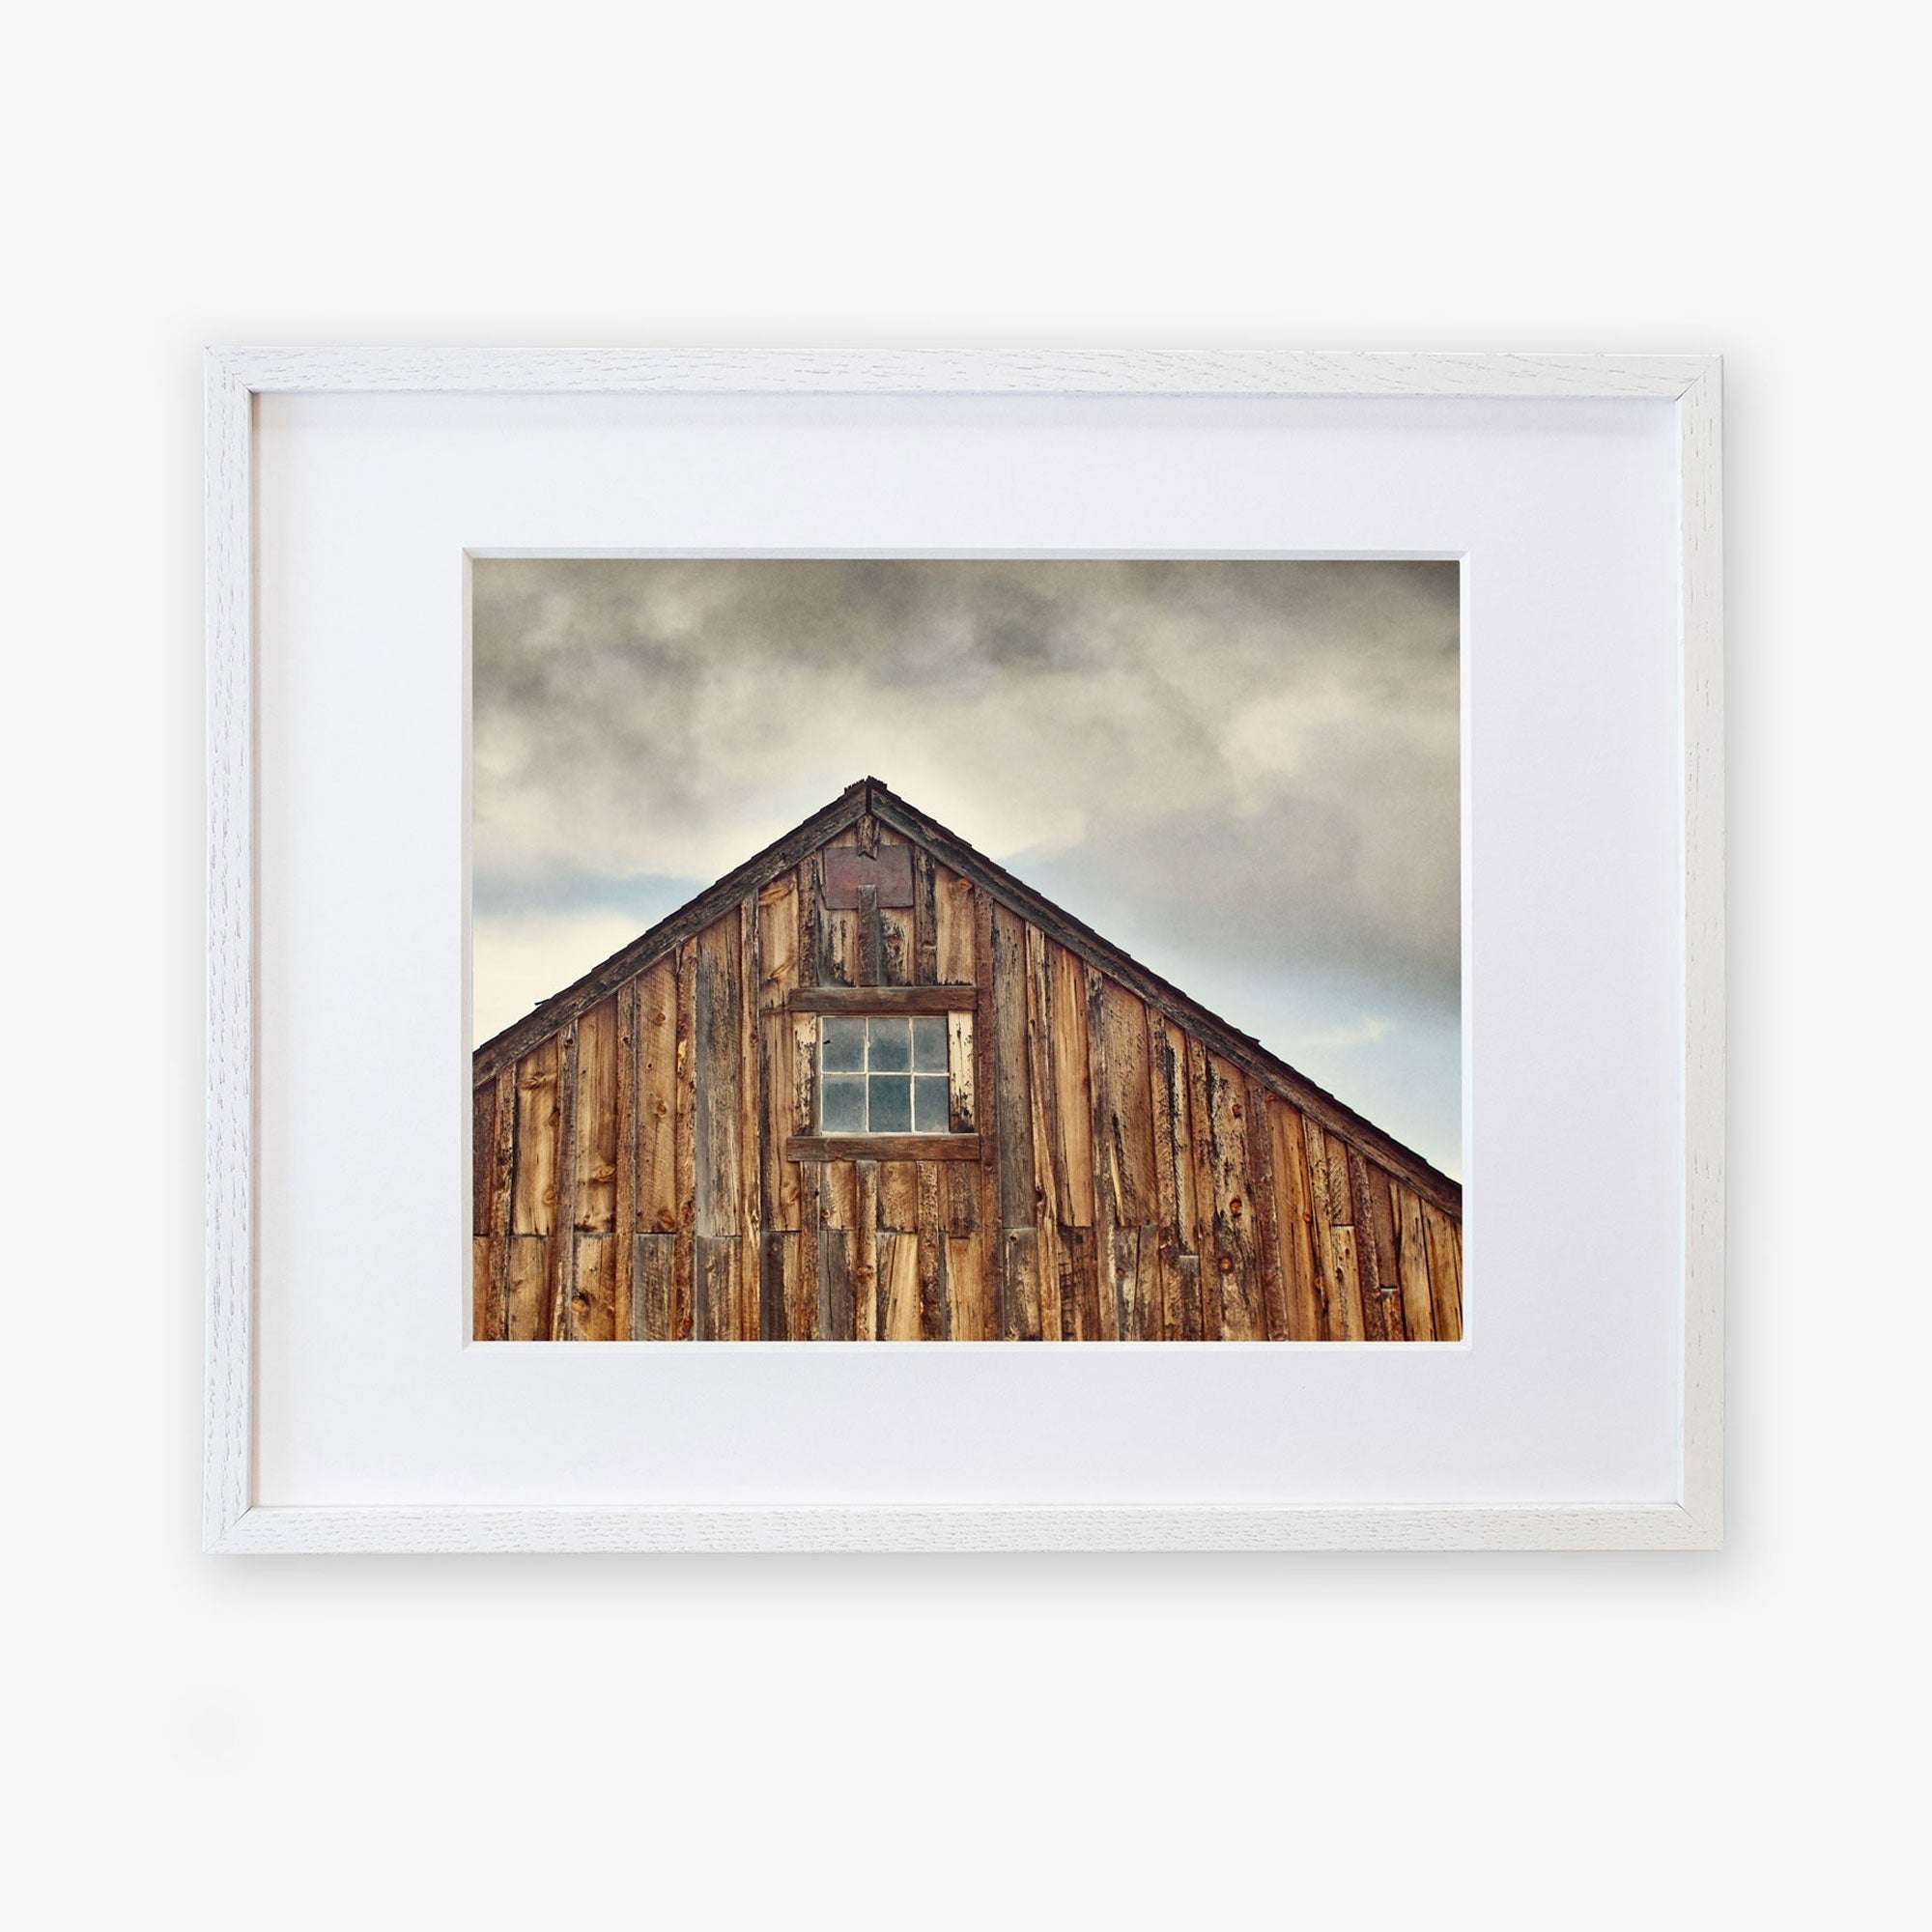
1259, 758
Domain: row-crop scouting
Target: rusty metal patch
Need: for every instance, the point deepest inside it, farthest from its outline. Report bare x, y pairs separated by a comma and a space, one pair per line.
847, 869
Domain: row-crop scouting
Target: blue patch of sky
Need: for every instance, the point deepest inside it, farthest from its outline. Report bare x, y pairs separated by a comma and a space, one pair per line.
646, 896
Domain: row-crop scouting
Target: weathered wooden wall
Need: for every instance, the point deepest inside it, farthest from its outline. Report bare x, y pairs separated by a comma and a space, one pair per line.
1134, 1181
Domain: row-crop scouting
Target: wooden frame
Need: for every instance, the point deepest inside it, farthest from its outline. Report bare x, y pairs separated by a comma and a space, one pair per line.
233, 1521
866, 1000
882, 1146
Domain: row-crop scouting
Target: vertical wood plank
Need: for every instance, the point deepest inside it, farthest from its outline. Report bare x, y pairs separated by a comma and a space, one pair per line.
962, 1198
482, 1155
1348, 1271
961, 1084
657, 1099
1349, 1221
1200, 1149
932, 1321
593, 1294
1137, 1281
533, 1203
528, 1276
560, 1259
1376, 1244
1049, 1156
684, 1149
925, 920
1191, 1324
751, 1164
898, 1286
683, 1287
624, 1220
1011, 1112
1106, 1259
841, 928
1172, 1178
979, 907
801, 1316
1019, 1295
1072, 1095
594, 1120
483, 1326
504, 1171
715, 1288
1123, 1121
768, 1095
1129, 1113
970, 1307
871, 950
838, 1193
896, 923
778, 1263
865, 1312
804, 1073
835, 1284
1412, 1266
1444, 1238
1276, 1322
802, 1313
898, 1195
1049, 1143
895, 946
1296, 1216
813, 944
651, 1265
1242, 1318
1079, 1284
777, 976
841, 948
715, 1131
953, 922
1341, 1287
777, 942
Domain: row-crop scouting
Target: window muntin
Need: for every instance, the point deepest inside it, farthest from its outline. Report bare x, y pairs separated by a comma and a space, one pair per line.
883, 1075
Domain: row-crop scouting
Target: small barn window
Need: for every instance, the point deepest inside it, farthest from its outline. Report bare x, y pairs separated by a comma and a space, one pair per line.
882, 1074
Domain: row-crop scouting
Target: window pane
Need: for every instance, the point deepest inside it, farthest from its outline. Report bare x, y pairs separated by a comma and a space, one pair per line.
841, 1107
891, 1105
929, 1105
843, 1044
892, 1049
928, 1044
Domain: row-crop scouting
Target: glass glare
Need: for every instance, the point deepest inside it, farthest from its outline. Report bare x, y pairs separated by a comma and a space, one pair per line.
928, 1044
929, 1105
889, 1047
890, 1103
842, 1108
842, 1045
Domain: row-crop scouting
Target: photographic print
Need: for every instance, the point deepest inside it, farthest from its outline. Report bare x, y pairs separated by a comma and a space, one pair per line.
940, 950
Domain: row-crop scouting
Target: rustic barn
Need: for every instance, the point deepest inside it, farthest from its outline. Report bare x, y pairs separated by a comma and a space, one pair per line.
870, 1087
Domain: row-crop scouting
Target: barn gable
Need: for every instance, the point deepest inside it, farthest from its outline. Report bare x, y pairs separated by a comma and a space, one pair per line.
1101, 1157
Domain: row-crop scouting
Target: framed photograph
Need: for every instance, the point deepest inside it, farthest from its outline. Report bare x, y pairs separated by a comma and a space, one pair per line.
948, 951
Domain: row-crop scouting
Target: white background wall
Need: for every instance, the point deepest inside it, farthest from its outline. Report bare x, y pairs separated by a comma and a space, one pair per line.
1577, 1741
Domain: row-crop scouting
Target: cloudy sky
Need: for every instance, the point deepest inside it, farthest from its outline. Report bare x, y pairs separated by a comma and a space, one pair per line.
1244, 773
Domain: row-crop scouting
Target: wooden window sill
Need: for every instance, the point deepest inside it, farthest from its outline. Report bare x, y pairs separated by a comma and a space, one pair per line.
882, 1146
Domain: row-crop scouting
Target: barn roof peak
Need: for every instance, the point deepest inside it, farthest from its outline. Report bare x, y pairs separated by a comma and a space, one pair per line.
871, 796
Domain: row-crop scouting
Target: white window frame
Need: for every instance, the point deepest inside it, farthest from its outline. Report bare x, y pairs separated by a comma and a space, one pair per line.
911, 1073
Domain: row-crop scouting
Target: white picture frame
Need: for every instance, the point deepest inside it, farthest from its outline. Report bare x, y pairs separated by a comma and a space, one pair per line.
235, 1520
